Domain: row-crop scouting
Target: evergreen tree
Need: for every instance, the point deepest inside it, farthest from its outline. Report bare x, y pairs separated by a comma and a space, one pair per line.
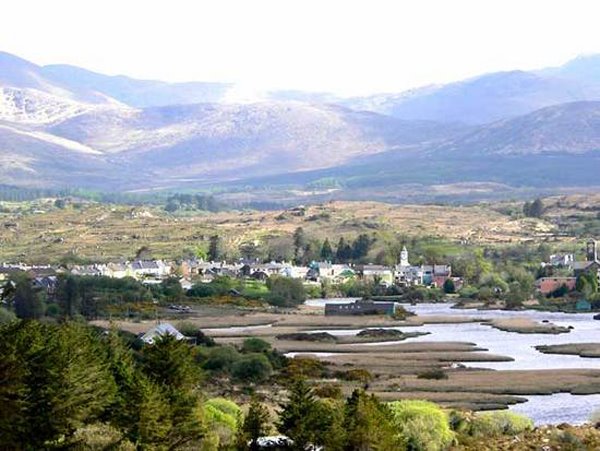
297, 419
300, 243
369, 424
343, 252
326, 251
29, 301
361, 246
139, 409
449, 286
255, 426
62, 383
215, 248
170, 364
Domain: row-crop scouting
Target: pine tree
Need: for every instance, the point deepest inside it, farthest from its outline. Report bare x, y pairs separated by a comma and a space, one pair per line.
255, 426
326, 251
215, 248
170, 364
297, 418
300, 243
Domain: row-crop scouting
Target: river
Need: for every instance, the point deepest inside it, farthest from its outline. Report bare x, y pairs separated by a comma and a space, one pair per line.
550, 409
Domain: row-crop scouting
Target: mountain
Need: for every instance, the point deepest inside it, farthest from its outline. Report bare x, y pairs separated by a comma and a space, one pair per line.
167, 146
66, 126
486, 98
133, 92
82, 85
571, 128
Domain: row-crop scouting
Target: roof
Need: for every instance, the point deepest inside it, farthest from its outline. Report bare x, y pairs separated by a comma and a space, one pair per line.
160, 330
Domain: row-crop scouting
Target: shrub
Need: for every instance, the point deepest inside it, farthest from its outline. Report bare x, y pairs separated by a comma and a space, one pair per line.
434, 373
221, 359
285, 292
424, 425
499, 423
252, 368
355, 374
6, 316
254, 345
301, 367
188, 329
332, 391
221, 411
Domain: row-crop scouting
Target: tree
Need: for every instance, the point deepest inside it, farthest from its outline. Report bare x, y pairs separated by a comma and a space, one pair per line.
449, 286
54, 378
215, 248
252, 368
361, 246
369, 424
326, 251
300, 243
285, 291
297, 419
343, 253
534, 209
139, 408
170, 364
29, 301
255, 426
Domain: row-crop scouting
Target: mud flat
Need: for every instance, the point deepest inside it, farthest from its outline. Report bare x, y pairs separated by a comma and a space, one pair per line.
526, 326
591, 350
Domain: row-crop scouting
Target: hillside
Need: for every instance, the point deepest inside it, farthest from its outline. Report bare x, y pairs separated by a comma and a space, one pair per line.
64, 126
39, 232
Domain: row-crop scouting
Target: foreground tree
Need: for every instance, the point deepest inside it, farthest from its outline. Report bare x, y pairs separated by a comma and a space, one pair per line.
255, 426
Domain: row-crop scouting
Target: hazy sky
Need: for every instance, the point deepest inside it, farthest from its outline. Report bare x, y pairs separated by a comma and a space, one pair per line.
347, 47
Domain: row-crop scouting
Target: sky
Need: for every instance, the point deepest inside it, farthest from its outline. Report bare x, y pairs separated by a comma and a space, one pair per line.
344, 47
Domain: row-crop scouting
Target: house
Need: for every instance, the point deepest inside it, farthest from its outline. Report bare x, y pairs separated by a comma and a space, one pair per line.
547, 285
150, 268
436, 274
161, 330
335, 273
361, 307
560, 260
372, 273
46, 283
591, 265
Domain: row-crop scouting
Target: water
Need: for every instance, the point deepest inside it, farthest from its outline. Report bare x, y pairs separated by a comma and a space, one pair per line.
550, 409
559, 408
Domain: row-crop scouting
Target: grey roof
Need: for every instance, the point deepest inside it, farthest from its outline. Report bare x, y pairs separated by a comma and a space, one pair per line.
160, 330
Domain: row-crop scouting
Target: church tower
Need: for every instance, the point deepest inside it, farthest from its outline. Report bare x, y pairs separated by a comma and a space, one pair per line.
404, 257
592, 251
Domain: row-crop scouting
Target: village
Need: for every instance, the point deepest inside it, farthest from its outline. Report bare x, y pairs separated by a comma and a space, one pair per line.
562, 274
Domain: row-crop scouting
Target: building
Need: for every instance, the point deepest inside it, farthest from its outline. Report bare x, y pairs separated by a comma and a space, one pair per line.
591, 265
161, 330
360, 307
436, 274
548, 285
372, 273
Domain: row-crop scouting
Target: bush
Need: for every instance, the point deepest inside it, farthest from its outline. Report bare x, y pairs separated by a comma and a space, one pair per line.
434, 373
499, 423
222, 412
424, 424
356, 374
285, 292
332, 391
252, 368
6, 316
221, 359
255, 345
